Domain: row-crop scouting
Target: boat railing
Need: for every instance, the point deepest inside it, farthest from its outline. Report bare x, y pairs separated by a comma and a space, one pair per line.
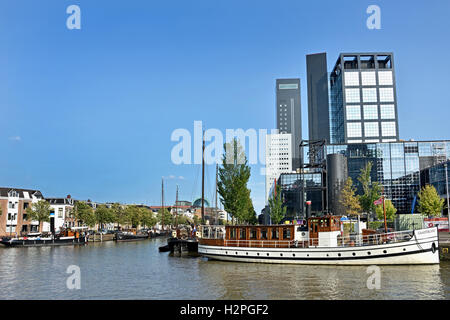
339, 241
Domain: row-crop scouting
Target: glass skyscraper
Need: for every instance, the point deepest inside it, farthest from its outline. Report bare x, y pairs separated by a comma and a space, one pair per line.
363, 99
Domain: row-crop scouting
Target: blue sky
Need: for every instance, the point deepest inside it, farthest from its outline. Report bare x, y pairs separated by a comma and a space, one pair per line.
90, 112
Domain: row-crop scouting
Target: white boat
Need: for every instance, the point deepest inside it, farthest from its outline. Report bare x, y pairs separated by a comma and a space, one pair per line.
319, 241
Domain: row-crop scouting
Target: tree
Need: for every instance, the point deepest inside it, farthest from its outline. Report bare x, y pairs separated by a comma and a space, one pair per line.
119, 214
132, 216
371, 190
39, 211
349, 200
147, 217
390, 211
233, 177
84, 213
430, 204
103, 215
166, 218
277, 210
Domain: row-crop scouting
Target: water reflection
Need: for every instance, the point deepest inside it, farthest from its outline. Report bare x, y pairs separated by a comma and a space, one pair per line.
136, 270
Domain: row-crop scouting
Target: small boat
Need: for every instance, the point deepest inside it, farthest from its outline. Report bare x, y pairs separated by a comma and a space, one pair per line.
131, 236
319, 241
65, 237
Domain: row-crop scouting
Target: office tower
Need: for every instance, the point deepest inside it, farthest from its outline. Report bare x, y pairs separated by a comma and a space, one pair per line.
363, 104
278, 158
289, 117
318, 107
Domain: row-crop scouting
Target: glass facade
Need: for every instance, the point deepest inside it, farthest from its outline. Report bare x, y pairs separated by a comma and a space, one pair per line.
396, 166
439, 177
362, 88
297, 188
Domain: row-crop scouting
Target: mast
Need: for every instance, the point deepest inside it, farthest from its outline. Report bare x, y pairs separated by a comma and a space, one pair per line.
217, 209
203, 178
162, 203
176, 210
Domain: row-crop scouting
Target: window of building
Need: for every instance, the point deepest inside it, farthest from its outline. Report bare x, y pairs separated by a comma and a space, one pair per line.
387, 94
372, 140
350, 62
368, 78
354, 129
384, 62
369, 94
385, 78
60, 212
387, 111
370, 112
388, 129
371, 129
353, 112
352, 79
352, 95
367, 62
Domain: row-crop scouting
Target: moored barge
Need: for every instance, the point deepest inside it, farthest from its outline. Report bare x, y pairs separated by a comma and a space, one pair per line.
65, 238
319, 241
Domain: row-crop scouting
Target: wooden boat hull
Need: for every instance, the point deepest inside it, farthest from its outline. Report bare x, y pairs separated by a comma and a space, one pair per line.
420, 249
42, 243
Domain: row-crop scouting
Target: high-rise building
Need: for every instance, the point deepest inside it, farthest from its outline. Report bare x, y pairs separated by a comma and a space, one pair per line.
363, 99
289, 117
278, 157
358, 104
318, 106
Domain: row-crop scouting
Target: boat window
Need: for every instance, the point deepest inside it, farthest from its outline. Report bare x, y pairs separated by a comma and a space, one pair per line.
275, 233
242, 234
253, 234
232, 233
286, 233
263, 234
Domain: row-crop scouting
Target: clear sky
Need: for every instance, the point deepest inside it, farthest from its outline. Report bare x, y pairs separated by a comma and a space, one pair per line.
90, 112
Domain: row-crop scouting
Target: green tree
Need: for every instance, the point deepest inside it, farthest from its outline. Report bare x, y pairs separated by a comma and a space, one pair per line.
165, 219
430, 204
84, 213
119, 214
233, 177
371, 190
148, 219
390, 211
132, 216
349, 200
277, 210
103, 215
39, 211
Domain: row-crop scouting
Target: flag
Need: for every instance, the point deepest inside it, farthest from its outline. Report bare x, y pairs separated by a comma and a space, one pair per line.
379, 201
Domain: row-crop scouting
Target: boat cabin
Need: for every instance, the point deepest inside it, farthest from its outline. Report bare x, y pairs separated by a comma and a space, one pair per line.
316, 231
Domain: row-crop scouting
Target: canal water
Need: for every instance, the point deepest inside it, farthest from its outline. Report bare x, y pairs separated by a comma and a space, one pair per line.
137, 270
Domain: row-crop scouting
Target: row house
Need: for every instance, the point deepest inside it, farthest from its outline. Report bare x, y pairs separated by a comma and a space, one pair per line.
13, 204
